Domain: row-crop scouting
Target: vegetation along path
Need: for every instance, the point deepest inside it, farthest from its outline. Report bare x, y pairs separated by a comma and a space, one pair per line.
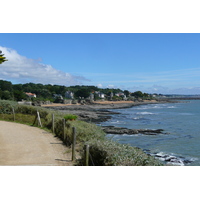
25, 145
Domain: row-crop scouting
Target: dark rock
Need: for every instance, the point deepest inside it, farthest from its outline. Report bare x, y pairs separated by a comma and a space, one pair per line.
122, 130
171, 159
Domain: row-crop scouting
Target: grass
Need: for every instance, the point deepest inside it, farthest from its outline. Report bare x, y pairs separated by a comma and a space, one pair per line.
70, 117
103, 151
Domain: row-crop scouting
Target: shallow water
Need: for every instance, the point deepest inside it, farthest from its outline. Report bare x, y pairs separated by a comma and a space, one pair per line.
181, 120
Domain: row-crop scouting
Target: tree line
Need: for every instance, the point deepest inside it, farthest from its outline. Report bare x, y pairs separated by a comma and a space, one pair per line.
16, 92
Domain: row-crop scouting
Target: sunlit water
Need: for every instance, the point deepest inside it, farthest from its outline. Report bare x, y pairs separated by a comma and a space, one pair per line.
181, 120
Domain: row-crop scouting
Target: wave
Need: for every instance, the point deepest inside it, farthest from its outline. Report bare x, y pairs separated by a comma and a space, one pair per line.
139, 118
171, 158
145, 113
159, 106
171, 107
117, 122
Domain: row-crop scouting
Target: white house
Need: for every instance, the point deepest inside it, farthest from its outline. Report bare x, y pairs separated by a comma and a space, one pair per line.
100, 95
69, 94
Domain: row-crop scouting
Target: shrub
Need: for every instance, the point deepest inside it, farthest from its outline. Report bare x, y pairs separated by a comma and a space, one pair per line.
110, 153
70, 117
84, 131
6, 106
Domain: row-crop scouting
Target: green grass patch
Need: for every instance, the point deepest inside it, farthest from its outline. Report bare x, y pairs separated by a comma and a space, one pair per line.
70, 117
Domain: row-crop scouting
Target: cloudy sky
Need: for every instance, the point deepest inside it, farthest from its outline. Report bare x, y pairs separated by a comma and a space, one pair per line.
160, 63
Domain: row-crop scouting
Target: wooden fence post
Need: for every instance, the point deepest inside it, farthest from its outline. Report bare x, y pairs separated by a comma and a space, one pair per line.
73, 143
13, 110
64, 135
86, 155
38, 117
53, 126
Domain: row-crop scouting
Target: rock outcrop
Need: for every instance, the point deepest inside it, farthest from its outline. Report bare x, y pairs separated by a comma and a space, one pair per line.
121, 131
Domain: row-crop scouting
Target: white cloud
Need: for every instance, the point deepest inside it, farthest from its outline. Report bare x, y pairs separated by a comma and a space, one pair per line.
21, 69
110, 86
99, 85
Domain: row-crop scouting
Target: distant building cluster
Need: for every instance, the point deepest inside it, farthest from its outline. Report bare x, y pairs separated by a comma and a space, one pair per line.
70, 95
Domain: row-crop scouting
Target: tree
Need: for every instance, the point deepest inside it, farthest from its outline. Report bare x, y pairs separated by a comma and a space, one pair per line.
19, 95
6, 85
2, 58
6, 95
82, 93
137, 94
126, 92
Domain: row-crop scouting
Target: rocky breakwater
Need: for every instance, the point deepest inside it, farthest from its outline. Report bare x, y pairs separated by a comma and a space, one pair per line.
121, 131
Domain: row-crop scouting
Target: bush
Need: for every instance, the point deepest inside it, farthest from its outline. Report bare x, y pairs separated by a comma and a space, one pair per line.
110, 153
87, 131
6, 106
70, 117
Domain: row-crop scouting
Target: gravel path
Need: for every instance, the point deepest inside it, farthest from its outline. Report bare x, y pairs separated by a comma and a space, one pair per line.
25, 145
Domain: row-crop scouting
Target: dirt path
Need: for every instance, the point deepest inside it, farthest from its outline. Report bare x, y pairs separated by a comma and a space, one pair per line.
25, 145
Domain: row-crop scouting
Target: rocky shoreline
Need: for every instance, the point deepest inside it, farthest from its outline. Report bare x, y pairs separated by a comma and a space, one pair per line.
170, 159
98, 112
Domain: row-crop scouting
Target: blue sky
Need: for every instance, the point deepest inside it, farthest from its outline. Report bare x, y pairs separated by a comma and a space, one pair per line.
150, 62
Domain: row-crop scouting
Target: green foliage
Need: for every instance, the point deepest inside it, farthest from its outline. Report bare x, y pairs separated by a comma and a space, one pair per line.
126, 92
46, 92
116, 98
87, 131
70, 117
110, 153
6, 106
139, 94
6, 95
6, 85
19, 95
82, 93
2, 57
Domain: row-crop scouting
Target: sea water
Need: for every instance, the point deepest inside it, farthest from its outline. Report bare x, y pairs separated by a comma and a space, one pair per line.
180, 120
